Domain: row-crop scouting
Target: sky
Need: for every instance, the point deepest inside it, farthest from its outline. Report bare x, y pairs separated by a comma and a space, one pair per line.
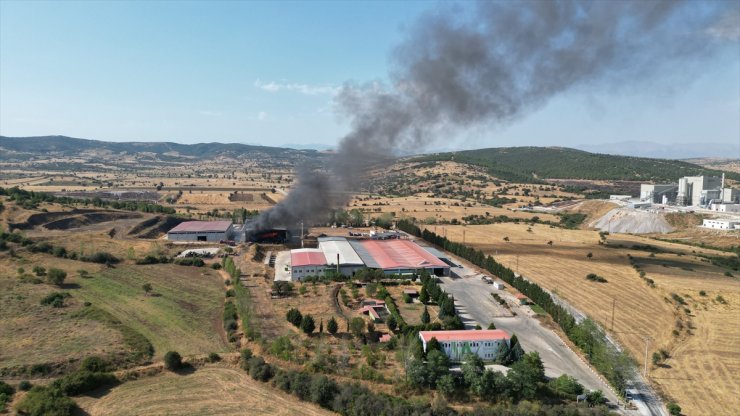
266, 73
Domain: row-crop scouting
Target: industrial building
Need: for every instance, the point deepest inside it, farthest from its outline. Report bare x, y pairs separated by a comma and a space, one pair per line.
456, 344
721, 224
697, 191
340, 255
393, 256
725, 207
202, 231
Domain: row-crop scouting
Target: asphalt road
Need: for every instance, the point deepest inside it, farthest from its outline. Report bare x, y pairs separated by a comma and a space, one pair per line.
476, 306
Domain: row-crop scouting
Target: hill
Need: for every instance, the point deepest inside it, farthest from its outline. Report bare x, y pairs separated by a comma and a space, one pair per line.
24, 148
532, 164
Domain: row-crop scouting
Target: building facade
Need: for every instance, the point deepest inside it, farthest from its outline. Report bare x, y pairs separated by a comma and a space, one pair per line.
456, 344
306, 262
721, 224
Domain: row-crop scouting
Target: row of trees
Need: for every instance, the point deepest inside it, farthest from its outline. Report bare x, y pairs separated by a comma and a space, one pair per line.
31, 200
614, 365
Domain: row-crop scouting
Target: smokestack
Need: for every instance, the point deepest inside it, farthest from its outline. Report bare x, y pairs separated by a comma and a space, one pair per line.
459, 69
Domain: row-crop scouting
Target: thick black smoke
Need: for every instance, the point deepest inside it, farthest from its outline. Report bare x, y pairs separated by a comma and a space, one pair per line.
498, 63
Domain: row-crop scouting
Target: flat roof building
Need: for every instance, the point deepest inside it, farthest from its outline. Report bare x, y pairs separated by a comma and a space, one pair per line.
338, 251
202, 231
398, 257
456, 344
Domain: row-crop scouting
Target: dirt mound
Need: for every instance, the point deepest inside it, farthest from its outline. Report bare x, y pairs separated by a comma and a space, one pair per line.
155, 227
90, 218
627, 220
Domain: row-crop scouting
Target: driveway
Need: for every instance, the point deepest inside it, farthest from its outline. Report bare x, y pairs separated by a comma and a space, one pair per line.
475, 305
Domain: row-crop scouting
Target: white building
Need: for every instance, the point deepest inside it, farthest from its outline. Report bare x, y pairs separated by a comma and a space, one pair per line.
456, 344
721, 224
725, 207
338, 251
306, 262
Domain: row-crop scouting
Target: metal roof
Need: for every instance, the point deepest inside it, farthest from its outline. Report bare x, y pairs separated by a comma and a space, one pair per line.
307, 257
465, 335
202, 227
331, 246
395, 254
436, 253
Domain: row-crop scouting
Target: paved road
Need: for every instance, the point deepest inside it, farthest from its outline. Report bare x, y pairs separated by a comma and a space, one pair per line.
475, 305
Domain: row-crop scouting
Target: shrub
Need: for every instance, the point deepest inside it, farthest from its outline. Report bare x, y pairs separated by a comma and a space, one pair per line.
43, 401
213, 357
25, 385
101, 257
216, 266
55, 299
245, 355
56, 276
674, 409
307, 324
259, 369
39, 271
230, 293
95, 364
720, 299
702, 293
595, 278
294, 317
172, 361
83, 381
332, 327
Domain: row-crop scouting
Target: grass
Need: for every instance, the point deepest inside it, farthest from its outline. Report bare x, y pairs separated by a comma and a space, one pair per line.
182, 314
537, 309
209, 390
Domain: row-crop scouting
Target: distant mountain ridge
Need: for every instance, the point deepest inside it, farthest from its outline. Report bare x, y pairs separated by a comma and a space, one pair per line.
665, 151
532, 164
25, 147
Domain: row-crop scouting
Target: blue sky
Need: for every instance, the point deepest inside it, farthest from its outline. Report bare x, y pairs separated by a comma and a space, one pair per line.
265, 72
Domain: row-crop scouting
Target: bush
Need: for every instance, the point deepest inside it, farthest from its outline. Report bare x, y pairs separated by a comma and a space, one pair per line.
45, 401
230, 293
39, 271
95, 364
259, 369
56, 276
55, 299
294, 317
25, 385
216, 266
213, 357
674, 409
595, 278
566, 385
307, 324
172, 361
332, 327
101, 257
83, 381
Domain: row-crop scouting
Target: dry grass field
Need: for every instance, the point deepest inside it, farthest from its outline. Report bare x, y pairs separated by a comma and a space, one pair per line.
640, 309
207, 391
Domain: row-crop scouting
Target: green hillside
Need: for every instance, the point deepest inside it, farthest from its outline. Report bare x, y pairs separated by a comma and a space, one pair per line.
530, 164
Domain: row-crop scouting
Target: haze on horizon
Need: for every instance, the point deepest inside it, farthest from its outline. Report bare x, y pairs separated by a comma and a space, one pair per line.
267, 74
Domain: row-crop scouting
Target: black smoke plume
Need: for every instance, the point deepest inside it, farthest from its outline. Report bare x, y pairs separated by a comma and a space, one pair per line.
497, 63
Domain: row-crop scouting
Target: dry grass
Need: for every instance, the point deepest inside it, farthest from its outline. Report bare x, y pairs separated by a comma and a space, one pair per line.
207, 391
639, 309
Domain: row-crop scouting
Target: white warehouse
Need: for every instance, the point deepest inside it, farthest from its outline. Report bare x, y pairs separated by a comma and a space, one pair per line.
721, 224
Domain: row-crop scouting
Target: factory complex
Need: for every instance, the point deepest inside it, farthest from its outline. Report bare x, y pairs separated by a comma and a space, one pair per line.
346, 256
697, 191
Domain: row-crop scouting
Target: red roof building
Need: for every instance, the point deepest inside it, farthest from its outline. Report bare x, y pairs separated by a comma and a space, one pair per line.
464, 335
307, 257
457, 344
396, 255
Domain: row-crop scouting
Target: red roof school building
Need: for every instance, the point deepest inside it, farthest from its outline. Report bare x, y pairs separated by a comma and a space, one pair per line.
456, 344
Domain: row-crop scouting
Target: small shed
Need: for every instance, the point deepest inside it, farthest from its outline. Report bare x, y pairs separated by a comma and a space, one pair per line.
411, 292
523, 300
498, 285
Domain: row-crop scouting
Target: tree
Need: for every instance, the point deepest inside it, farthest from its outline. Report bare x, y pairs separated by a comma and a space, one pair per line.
590, 255
438, 365
425, 318
656, 358
424, 295
147, 287
391, 322
56, 276
433, 345
172, 360
503, 356
321, 326
357, 326
491, 326
516, 349
307, 324
42, 400
332, 326
294, 317
594, 398
282, 288
39, 271
472, 368
526, 374
446, 385
567, 385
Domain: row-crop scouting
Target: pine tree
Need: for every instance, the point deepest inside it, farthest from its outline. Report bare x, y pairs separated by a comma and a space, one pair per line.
425, 316
503, 354
516, 349
424, 295
307, 324
332, 326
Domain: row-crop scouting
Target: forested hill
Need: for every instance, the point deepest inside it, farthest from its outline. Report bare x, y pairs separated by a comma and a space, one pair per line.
528, 164
23, 148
